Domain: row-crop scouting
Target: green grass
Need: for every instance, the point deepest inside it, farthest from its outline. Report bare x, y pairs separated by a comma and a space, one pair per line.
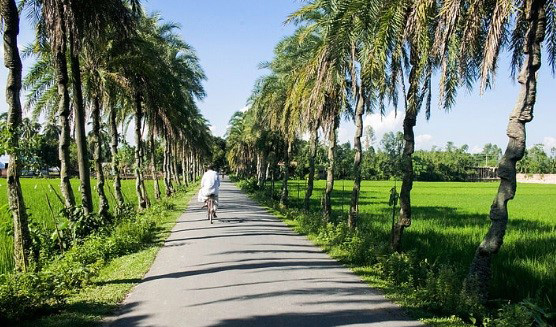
109, 288
35, 192
450, 220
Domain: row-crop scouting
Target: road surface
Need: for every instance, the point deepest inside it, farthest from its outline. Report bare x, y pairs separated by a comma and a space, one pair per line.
249, 269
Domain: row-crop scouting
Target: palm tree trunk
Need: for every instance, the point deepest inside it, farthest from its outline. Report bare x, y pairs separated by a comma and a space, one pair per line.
115, 161
267, 171
153, 166
286, 175
195, 166
479, 276
12, 61
359, 111
260, 170
62, 80
312, 155
183, 166
174, 161
103, 202
409, 122
142, 202
188, 166
167, 166
327, 200
80, 137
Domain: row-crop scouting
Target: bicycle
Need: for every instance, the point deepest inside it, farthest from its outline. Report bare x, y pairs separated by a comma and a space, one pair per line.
210, 207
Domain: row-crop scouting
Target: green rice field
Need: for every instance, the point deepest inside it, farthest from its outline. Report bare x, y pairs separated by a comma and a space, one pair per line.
35, 193
450, 220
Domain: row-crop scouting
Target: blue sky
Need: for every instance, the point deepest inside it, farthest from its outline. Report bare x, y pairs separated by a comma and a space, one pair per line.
233, 36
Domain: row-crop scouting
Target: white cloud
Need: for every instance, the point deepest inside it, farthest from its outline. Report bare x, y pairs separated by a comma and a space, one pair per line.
476, 149
423, 141
384, 124
549, 143
344, 135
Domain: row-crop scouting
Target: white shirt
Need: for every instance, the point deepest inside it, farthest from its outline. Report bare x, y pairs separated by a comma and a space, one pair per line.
210, 184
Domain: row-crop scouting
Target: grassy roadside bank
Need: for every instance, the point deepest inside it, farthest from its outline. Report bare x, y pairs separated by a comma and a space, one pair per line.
429, 288
102, 296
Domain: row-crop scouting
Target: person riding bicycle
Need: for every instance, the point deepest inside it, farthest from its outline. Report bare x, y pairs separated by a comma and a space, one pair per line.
210, 185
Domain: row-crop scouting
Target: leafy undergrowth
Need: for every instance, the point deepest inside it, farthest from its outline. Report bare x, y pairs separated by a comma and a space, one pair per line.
97, 277
38, 194
430, 290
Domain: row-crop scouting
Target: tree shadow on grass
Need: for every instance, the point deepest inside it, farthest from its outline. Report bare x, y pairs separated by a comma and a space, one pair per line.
442, 234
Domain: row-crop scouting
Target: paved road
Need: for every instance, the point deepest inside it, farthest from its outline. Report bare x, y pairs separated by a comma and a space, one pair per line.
249, 269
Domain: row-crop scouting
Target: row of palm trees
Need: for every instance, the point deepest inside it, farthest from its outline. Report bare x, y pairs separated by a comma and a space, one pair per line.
109, 61
349, 58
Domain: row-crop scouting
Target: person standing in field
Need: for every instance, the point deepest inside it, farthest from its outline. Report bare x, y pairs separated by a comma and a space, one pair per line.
210, 185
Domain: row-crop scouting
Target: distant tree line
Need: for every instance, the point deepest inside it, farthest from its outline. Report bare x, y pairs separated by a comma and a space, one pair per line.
382, 161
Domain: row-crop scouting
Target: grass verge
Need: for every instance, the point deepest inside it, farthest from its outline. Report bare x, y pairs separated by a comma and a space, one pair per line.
101, 298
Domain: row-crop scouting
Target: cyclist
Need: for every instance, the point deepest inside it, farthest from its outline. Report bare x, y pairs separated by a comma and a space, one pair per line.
210, 185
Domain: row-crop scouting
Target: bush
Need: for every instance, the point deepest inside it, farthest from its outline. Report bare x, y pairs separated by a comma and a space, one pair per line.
24, 294
332, 235
524, 313
397, 268
309, 223
442, 293
249, 185
359, 249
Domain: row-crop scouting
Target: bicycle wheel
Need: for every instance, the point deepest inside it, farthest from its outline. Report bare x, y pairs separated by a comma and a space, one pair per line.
210, 210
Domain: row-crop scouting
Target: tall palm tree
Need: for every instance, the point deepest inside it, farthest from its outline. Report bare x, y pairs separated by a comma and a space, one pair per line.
94, 90
414, 34
65, 25
114, 136
84, 23
468, 47
324, 79
12, 61
51, 29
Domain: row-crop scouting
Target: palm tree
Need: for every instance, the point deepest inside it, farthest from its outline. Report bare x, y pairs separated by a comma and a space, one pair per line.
98, 58
51, 29
67, 24
114, 152
84, 23
93, 86
467, 47
12, 61
163, 79
415, 34
321, 85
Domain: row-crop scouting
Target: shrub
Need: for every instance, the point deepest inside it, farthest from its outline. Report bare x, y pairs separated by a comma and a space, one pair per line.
309, 223
24, 294
249, 185
359, 249
524, 313
332, 235
397, 268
